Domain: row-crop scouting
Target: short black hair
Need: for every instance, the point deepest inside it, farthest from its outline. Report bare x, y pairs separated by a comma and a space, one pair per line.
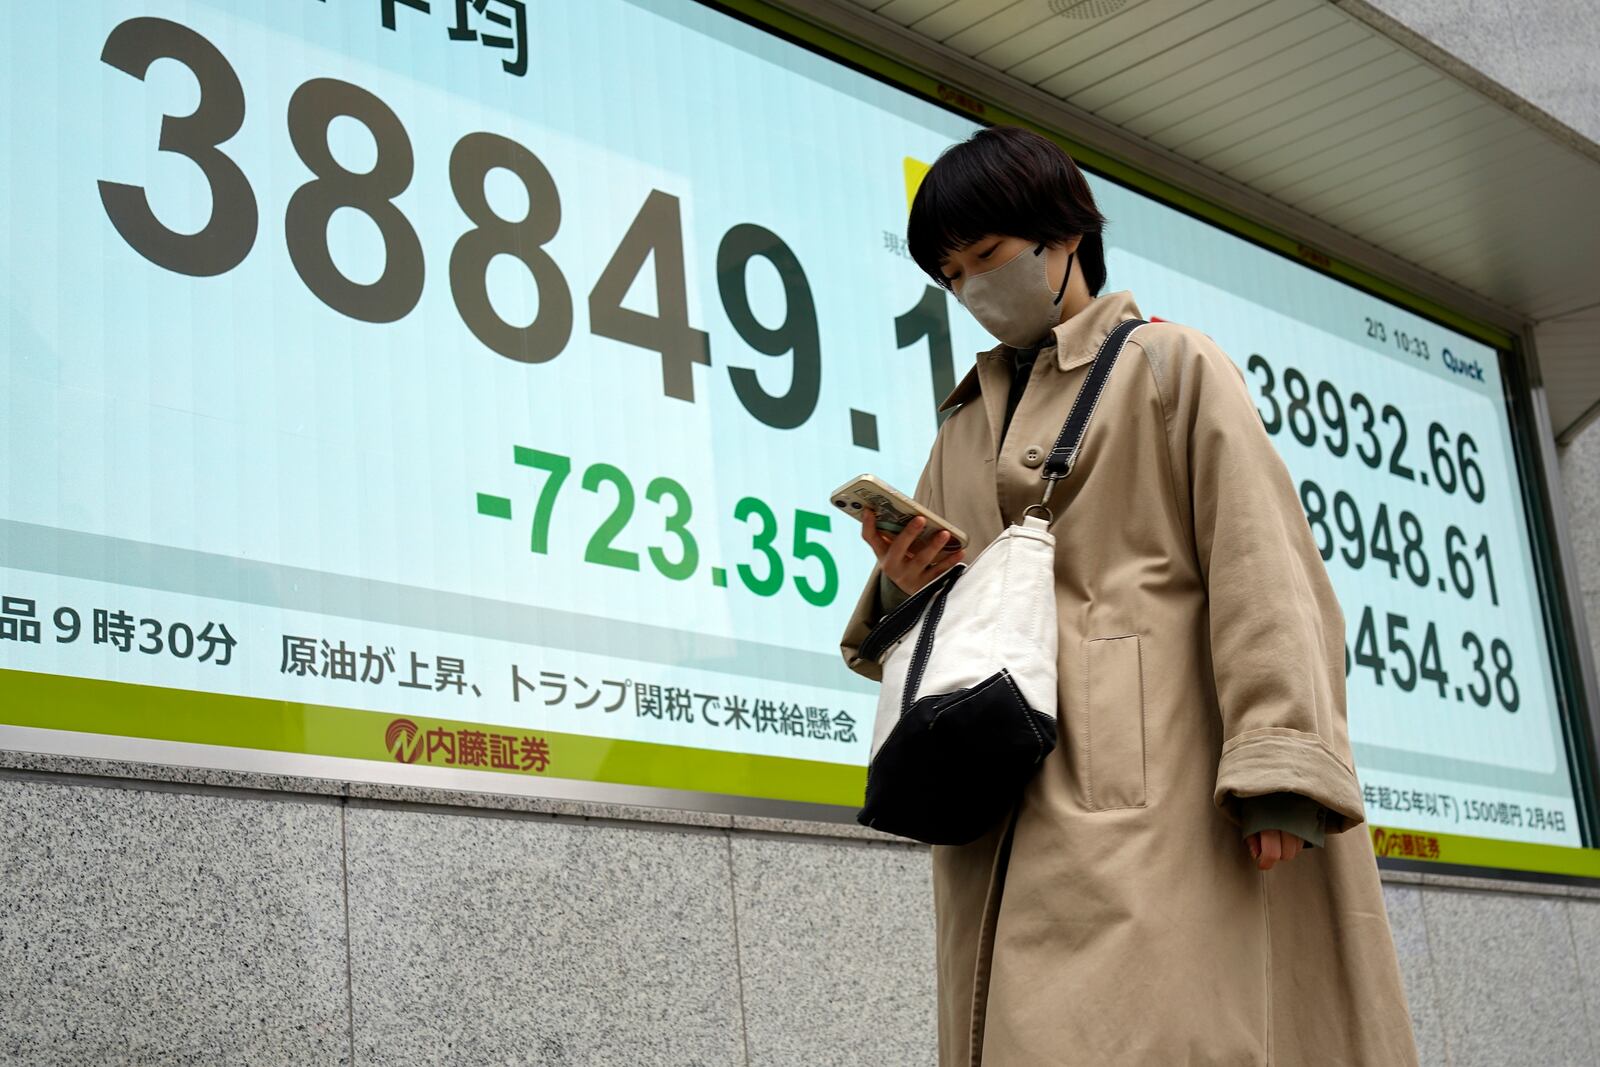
1005, 180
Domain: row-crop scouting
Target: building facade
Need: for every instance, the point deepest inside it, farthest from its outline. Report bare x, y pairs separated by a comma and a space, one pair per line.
158, 908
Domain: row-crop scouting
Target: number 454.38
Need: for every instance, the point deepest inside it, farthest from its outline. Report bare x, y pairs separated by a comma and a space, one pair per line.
655, 233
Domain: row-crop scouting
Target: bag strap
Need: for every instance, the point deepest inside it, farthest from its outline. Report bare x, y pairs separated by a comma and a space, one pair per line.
924, 650
1065, 452
897, 623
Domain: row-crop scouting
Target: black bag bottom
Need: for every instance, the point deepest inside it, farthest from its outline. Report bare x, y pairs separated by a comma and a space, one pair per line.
955, 763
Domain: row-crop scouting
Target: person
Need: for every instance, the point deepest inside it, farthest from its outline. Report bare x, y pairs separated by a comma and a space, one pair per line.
1178, 883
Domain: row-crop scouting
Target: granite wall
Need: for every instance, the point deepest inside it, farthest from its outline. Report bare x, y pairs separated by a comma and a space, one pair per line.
175, 922
147, 922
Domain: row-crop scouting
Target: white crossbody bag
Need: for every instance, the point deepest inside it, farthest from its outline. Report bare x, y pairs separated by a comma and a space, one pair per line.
967, 708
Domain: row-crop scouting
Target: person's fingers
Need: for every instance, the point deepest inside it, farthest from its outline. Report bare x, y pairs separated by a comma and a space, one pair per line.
925, 557
901, 546
895, 561
870, 534
1254, 841
882, 541
1271, 849
869, 527
908, 569
1292, 846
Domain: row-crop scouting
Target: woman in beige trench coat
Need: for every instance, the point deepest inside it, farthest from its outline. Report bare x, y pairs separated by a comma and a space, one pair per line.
1132, 910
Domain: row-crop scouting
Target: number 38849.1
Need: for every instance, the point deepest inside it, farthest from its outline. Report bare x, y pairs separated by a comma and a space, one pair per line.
656, 233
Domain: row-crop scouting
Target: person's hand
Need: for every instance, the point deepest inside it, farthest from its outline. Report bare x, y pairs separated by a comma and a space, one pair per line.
907, 569
1270, 847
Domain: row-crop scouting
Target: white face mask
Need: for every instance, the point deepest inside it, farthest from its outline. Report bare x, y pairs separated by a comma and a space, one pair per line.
1013, 301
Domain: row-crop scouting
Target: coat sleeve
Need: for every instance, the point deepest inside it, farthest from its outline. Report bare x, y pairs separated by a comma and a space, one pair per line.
870, 605
890, 595
1291, 812
1276, 628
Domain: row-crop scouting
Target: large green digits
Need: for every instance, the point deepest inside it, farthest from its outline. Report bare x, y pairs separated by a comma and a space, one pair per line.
600, 549
762, 542
806, 522
558, 467
676, 523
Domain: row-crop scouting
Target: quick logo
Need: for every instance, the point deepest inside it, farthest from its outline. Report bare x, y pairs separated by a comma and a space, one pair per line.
1473, 370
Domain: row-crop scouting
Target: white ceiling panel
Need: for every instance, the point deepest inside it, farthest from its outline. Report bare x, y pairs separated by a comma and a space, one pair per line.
1297, 110
1173, 42
1418, 167
907, 12
1170, 83
1569, 357
1198, 99
1362, 132
1451, 192
1332, 123
1489, 242
1160, 77
1425, 239
1290, 116
1107, 44
1437, 137
1009, 23
1312, 82
945, 22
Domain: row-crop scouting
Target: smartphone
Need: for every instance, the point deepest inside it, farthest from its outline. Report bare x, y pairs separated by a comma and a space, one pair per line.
894, 509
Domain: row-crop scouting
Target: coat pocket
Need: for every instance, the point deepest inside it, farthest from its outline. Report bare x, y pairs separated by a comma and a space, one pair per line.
1113, 723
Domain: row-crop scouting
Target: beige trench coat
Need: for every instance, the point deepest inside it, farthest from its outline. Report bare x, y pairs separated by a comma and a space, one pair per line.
1201, 659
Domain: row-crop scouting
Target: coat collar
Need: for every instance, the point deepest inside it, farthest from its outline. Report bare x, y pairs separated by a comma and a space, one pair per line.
1075, 341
